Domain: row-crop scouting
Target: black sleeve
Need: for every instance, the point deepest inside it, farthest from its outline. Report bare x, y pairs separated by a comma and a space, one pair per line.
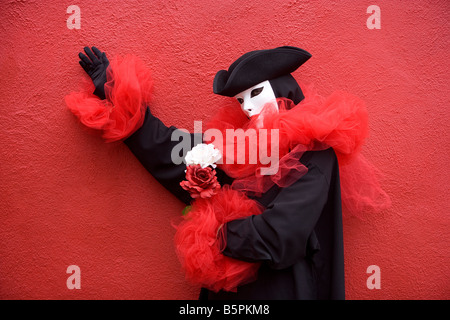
279, 235
152, 145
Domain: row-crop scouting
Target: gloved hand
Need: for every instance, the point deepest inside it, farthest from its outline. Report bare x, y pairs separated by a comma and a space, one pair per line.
95, 65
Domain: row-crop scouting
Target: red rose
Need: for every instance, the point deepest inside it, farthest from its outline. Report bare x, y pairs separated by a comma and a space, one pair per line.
200, 182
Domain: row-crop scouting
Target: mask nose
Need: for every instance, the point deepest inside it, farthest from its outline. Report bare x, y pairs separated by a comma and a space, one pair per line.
248, 107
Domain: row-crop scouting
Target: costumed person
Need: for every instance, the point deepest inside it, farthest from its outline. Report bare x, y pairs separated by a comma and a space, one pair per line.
248, 235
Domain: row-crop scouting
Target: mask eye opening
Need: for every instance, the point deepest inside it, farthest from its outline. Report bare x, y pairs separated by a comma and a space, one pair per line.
256, 92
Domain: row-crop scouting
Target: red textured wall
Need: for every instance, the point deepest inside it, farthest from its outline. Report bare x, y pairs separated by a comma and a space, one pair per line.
67, 198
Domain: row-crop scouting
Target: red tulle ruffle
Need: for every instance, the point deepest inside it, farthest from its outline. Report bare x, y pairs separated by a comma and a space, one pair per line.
199, 240
128, 91
339, 121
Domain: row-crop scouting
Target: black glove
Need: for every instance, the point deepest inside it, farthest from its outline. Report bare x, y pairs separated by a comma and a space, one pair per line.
95, 65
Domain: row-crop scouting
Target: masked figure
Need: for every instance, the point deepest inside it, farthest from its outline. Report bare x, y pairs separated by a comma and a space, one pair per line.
258, 236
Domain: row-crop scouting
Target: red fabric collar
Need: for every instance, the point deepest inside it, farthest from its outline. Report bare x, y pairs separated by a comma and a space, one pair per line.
339, 121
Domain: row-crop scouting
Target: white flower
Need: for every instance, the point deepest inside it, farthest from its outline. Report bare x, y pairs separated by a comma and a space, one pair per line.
204, 155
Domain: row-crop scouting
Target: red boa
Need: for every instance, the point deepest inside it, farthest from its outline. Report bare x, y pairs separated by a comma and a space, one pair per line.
128, 91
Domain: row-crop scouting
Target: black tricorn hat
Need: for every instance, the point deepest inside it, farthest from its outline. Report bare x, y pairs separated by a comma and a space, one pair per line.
257, 66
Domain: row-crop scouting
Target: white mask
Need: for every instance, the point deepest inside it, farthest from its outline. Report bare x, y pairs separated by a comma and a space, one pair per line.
255, 98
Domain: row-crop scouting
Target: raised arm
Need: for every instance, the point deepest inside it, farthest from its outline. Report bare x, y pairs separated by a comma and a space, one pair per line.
119, 108
152, 144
